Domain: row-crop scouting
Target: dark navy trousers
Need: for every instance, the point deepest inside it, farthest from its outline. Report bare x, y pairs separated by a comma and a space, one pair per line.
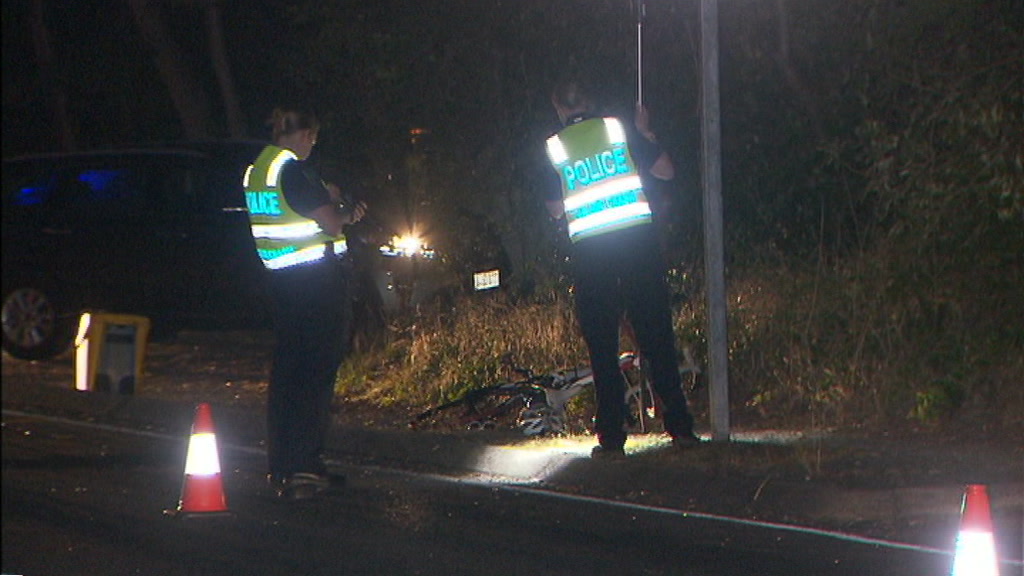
312, 315
623, 272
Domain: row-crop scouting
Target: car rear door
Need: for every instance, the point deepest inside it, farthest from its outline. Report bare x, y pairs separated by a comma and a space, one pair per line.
205, 226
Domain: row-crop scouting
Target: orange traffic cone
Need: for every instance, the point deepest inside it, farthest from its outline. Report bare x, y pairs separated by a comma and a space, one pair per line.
202, 492
975, 553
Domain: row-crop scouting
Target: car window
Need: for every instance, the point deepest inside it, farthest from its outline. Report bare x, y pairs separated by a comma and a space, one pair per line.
172, 188
101, 190
105, 185
27, 184
191, 184
219, 185
32, 192
92, 188
160, 184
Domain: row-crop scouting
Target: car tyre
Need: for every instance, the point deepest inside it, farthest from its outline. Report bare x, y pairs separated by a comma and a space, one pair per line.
35, 326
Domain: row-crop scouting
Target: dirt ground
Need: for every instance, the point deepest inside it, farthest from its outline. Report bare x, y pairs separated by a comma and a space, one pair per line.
231, 368
226, 368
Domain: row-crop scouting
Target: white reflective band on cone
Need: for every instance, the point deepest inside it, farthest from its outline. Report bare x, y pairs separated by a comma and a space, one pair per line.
202, 458
975, 554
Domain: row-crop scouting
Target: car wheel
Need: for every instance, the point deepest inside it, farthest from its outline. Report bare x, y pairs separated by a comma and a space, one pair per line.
34, 326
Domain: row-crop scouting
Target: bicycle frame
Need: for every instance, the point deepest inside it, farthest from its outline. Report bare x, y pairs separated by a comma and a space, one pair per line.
528, 390
567, 384
546, 397
564, 385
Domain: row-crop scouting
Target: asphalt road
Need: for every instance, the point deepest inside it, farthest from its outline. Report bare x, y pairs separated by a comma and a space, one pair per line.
88, 498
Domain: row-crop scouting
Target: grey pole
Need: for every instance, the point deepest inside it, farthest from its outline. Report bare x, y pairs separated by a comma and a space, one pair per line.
714, 260
641, 13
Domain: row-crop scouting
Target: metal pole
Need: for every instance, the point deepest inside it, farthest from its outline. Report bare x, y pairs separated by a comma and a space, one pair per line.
714, 260
641, 13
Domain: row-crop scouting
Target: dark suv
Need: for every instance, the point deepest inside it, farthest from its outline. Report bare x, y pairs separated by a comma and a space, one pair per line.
158, 231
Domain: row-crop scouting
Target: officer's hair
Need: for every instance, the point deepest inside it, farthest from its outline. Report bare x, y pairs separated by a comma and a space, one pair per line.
285, 121
572, 95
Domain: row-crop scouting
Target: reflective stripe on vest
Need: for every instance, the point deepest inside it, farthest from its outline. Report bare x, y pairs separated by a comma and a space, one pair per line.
276, 260
283, 237
601, 189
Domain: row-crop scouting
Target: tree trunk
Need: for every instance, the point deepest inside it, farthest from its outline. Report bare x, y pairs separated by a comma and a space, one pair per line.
186, 92
52, 84
792, 76
221, 68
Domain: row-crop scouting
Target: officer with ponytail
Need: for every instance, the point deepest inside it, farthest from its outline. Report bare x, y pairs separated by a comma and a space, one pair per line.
298, 227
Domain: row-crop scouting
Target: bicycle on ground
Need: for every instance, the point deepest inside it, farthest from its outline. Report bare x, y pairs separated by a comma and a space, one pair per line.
537, 404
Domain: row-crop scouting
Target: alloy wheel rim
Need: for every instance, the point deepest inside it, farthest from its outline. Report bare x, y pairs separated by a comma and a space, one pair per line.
28, 317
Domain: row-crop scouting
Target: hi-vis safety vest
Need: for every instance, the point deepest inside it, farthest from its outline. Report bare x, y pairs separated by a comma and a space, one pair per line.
284, 238
601, 187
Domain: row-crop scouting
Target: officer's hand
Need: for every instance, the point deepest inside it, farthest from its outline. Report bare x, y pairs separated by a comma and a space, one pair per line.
356, 212
642, 122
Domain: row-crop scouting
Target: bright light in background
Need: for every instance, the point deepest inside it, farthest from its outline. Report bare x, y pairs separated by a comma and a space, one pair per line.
407, 245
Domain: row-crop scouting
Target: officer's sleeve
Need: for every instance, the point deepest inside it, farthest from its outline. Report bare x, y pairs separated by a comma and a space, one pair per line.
302, 194
547, 177
644, 152
551, 183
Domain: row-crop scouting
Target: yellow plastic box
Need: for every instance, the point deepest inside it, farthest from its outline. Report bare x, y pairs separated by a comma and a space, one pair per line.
109, 349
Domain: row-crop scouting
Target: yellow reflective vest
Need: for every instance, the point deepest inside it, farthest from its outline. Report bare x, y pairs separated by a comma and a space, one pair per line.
601, 187
284, 238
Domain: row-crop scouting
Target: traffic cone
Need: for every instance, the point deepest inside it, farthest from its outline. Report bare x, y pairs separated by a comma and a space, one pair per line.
975, 553
202, 492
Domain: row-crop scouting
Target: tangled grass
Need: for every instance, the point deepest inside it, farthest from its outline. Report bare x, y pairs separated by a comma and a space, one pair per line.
811, 347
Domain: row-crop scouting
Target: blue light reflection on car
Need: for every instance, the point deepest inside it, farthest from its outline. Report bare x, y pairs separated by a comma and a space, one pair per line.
35, 194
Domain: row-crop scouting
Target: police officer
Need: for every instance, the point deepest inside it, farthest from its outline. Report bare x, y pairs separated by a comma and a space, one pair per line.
616, 261
297, 226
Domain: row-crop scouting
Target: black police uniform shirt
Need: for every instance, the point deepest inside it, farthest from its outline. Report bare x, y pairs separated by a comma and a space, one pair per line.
303, 192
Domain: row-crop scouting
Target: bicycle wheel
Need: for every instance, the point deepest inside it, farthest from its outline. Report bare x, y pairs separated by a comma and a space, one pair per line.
642, 408
478, 409
541, 419
690, 373
493, 411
